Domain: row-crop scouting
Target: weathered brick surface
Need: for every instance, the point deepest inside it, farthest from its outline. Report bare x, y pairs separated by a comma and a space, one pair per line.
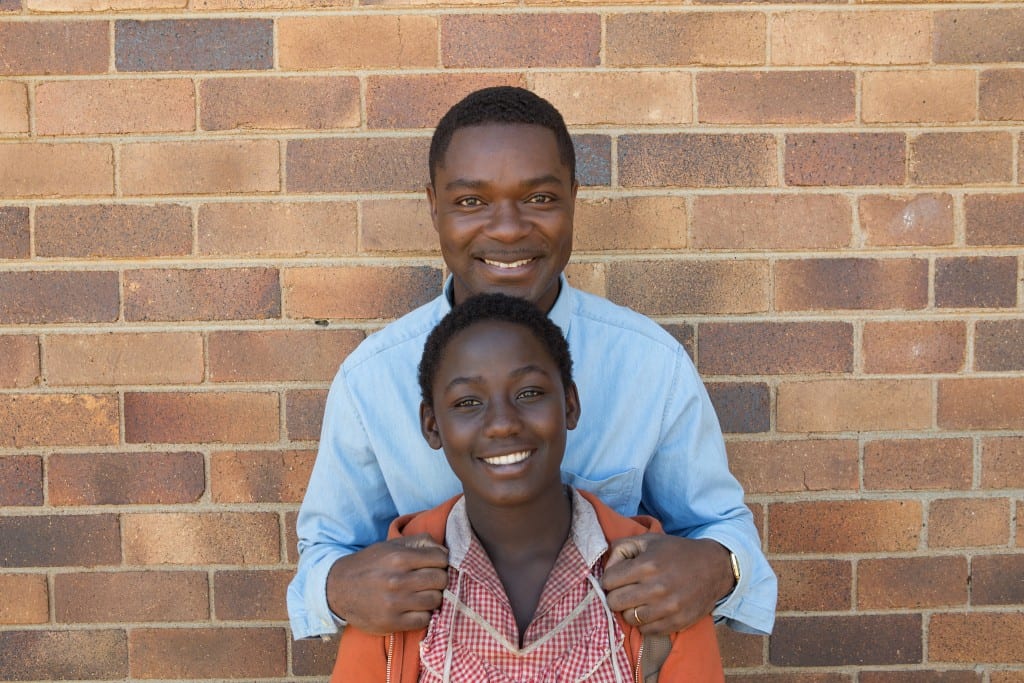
304, 409
794, 466
113, 359
978, 35
314, 657
279, 103
203, 167
113, 230
13, 107
915, 583
997, 345
396, 225
968, 522
58, 297
25, 599
21, 481
903, 464
84, 6
961, 158
848, 37
844, 526
220, 417
364, 292
776, 97
63, 655
125, 478
632, 97
39, 169
357, 165
989, 637
851, 283
922, 676
845, 159
678, 39
1002, 462
739, 649
775, 348
356, 42
19, 360
742, 407
131, 596
201, 538
15, 241
976, 282
251, 595
760, 222
981, 403
53, 47
919, 96
260, 476
194, 653
814, 585
202, 294
697, 160
278, 228
593, 159
115, 106
907, 220
32, 420
853, 405
914, 347
59, 541
857, 639
279, 355
521, 40
630, 223
994, 219
689, 286
1001, 94
194, 44
418, 101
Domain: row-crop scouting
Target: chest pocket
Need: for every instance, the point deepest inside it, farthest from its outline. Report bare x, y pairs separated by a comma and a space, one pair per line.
621, 491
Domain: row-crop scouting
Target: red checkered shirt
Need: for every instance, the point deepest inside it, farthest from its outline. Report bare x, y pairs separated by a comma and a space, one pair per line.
473, 637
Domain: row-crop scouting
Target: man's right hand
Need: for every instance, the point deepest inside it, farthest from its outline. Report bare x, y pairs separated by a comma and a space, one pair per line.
390, 586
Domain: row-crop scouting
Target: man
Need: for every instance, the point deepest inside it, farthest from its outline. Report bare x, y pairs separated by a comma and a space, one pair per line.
502, 193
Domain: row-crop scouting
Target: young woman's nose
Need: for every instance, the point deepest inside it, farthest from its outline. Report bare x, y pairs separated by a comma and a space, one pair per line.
502, 419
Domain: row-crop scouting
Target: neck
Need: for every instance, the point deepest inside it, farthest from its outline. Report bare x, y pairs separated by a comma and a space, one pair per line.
534, 529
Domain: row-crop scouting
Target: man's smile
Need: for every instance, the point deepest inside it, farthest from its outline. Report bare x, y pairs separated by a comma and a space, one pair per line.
508, 264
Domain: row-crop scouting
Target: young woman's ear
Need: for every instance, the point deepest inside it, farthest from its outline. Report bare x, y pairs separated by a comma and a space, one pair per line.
428, 425
572, 406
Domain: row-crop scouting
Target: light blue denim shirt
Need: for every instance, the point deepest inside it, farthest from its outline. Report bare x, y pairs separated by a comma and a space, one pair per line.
648, 441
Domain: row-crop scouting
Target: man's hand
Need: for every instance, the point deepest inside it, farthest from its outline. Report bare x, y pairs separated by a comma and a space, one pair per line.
670, 582
390, 586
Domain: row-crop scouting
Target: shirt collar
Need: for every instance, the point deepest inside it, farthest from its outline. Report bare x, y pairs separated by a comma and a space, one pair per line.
560, 313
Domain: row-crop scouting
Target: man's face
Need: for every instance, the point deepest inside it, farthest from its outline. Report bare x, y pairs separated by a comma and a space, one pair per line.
502, 205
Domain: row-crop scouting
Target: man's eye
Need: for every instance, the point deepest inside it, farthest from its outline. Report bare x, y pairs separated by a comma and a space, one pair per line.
469, 202
540, 199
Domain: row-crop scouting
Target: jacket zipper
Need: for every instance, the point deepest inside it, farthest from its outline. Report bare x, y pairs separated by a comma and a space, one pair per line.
391, 653
639, 658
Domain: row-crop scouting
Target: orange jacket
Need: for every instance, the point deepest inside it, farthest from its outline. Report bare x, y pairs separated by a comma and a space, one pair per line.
395, 658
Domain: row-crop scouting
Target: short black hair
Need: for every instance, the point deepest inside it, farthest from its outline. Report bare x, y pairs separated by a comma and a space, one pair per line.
501, 104
497, 307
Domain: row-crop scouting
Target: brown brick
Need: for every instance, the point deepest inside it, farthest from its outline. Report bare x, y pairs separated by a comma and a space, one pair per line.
758, 222
251, 595
630, 223
63, 655
919, 96
626, 97
200, 167
920, 676
359, 291
305, 410
588, 277
973, 638
260, 476
313, 656
38, 169
357, 164
279, 355
997, 345
279, 103
291, 537
194, 44
697, 160
28, 420
976, 282
357, 42
911, 464
58, 297
907, 220
996, 580
678, 287
794, 466
961, 158
851, 37
742, 407
978, 35
278, 228
125, 478
898, 347
1016, 676
995, 219
981, 403
911, 582
131, 596
201, 538
1002, 462
397, 225
193, 653
844, 526
15, 241
202, 294
21, 483
684, 334
19, 360
114, 230
520, 40
124, 358
684, 38
115, 106
787, 676
854, 405
222, 417
775, 348
845, 159
739, 649
54, 47
59, 541
851, 283
13, 107
861, 639
776, 97
593, 159
102, 5
814, 585
25, 601
419, 101
968, 522
1001, 94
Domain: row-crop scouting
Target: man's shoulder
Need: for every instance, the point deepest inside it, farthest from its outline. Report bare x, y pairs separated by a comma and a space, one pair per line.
591, 312
404, 336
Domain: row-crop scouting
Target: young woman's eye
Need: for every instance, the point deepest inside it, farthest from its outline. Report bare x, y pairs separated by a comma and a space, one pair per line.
530, 393
466, 403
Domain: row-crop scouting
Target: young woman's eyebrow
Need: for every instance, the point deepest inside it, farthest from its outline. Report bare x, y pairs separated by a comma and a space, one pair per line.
477, 379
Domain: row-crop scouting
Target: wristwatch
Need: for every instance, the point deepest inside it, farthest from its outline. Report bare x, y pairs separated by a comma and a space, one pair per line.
735, 567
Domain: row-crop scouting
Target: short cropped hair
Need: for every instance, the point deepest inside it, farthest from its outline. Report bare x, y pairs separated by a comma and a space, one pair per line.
492, 307
501, 104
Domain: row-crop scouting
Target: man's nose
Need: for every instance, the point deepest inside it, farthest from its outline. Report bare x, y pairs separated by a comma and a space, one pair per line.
507, 222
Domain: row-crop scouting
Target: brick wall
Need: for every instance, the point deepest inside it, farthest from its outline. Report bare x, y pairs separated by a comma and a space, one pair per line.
205, 204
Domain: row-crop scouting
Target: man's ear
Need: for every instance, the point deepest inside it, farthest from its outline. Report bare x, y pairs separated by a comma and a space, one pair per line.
575, 189
572, 406
428, 426
432, 199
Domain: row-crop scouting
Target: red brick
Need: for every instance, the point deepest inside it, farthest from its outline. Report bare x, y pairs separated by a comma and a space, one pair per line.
844, 526
313, 657
58, 297
976, 282
740, 649
59, 541
968, 522
994, 219
124, 358
194, 44
854, 36
251, 595
304, 410
397, 225
54, 47
927, 96
131, 596
260, 476
776, 97
911, 582
911, 464
679, 287
63, 655
26, 599
794, 466
742, 407
832, 641
851, 283
593, 159
193, 653
961, 158
684, 335
630, 223
995, 580
520, 40
291, 540
854, 405
221, 417
359, 291
278, 228
113, 230
588, 277
200, 167
115, 106
279, 103
39, 169
997, 345
626, 98
814, 585
1001, 94
981, 403
685, 38
83, 6
15, 241
357, 164
279, 355
788, 676
758, 222
202, 294
896, 347
697, 160
19, 360
21, 483
357, 42
418, 101
1016, 676
201, 538
907, 220
770, 348
125, 478
28, 420
920, 676
972, 638
978, 35
845, 159
1002, 462
13, 107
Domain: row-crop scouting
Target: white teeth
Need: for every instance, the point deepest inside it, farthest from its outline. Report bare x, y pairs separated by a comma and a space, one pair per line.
502, 264
510, 459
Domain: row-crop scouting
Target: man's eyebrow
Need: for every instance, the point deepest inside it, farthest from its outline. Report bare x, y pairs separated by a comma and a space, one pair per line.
470, 184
